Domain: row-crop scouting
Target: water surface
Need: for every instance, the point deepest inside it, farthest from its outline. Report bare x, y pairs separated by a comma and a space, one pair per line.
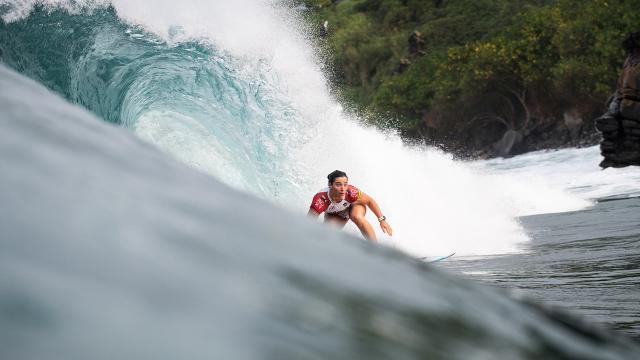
587, 262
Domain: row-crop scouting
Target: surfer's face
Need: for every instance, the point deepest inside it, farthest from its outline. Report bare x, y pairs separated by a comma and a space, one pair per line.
339, 187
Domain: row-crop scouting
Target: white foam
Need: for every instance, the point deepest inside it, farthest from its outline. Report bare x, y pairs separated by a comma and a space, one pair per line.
435, 204
572, 171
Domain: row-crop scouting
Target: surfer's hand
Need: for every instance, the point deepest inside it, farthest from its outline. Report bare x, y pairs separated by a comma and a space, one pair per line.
386, 228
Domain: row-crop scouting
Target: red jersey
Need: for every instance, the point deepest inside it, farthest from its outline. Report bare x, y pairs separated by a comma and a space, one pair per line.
322, 201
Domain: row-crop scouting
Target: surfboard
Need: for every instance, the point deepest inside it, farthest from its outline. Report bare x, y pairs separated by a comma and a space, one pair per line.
437, 259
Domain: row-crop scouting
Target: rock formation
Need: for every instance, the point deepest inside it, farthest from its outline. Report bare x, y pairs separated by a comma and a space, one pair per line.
620, 124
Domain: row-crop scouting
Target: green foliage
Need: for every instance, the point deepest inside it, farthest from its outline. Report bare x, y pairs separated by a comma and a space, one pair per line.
588, 44
566, 50
410, 92
513, 60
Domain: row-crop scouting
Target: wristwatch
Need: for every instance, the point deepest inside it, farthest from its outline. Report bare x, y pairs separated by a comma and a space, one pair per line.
382, 218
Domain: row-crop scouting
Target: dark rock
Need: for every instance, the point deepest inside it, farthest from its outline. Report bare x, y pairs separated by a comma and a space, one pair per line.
628, 156
608, 162
620, 125
630, 108
607, 146
630, 124
607, 123
610, 134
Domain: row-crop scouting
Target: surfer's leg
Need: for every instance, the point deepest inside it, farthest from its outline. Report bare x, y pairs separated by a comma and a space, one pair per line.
335, 220
356, 215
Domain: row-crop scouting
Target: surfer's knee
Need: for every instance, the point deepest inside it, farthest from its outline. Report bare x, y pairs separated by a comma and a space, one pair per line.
357, 214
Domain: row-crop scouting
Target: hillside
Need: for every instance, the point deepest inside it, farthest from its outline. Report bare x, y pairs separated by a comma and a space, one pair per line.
478, 77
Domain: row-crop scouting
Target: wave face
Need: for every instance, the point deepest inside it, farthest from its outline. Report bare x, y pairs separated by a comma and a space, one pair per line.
234, 90
187, 97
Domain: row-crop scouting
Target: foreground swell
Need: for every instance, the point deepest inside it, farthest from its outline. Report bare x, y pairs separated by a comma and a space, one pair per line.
158, 267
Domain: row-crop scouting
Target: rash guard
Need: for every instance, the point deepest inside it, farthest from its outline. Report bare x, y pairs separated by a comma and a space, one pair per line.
322, 201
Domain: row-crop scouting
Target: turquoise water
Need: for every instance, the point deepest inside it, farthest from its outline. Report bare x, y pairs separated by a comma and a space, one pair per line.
188, 97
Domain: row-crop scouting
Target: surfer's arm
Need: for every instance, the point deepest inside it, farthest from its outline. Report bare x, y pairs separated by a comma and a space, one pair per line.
369, 202
312, 213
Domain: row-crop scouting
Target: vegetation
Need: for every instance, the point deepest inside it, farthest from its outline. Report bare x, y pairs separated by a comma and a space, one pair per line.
464, 72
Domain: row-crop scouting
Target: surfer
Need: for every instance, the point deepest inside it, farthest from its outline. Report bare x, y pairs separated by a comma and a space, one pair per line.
342, 202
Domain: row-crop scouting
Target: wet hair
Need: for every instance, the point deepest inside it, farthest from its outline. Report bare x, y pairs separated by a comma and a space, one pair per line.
336, 174
631, 43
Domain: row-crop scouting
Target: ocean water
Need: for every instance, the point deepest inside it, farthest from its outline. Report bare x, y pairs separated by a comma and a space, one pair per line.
586, 261
212, 126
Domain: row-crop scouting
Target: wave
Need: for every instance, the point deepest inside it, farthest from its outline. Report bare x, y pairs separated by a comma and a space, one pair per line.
187, 97
236, 91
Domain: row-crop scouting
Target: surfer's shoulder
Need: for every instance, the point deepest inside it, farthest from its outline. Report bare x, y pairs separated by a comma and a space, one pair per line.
353, 194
